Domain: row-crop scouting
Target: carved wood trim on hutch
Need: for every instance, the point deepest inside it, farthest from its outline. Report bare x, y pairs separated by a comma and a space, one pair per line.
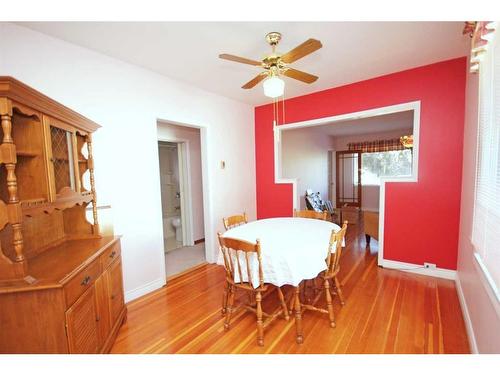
60, 281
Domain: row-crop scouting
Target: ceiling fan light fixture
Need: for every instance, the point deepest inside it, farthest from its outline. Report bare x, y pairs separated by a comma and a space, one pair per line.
275, 64
274, 87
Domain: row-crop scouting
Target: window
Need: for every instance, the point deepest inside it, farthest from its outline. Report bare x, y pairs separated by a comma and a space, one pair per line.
486, 221
375, 165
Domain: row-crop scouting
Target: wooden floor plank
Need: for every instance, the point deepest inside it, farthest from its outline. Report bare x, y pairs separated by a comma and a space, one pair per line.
386, 311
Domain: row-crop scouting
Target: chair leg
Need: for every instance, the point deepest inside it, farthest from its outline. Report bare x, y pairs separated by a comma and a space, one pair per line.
292, 302
224, 299
329, 304
298, 317
307, 284
260, 326
339, 291
251, 300
229, 311
316, 288
283, 304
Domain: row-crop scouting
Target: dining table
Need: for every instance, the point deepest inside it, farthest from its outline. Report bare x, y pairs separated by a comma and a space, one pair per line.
293, 249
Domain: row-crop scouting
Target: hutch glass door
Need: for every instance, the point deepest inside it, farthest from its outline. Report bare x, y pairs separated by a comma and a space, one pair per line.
62, 159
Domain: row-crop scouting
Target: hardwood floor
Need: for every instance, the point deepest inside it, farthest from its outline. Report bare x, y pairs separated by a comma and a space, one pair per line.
386, 311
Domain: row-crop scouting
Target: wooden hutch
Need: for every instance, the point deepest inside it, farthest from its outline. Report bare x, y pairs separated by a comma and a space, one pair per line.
61, 288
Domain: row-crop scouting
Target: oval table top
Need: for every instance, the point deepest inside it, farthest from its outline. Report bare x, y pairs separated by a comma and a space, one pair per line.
292, 248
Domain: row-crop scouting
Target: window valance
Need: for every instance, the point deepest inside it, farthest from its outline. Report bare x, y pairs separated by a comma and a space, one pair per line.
377, 146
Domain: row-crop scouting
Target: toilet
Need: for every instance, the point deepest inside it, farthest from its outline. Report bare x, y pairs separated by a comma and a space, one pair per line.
177, 224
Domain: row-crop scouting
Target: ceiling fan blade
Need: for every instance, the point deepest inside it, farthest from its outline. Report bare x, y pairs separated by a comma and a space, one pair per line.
242, 60
250, 84
309, 46
300, 75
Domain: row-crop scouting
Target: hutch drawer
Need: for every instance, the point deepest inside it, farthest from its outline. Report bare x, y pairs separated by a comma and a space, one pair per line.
81, 282
110, 254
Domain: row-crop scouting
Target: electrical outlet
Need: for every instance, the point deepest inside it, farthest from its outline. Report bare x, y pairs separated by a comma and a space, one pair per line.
430, 265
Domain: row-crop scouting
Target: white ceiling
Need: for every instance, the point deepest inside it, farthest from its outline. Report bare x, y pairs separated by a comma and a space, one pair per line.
188, 51
377, 124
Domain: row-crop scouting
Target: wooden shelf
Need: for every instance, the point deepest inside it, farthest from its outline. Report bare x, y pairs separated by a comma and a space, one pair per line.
29, 154
40, 206
34, 201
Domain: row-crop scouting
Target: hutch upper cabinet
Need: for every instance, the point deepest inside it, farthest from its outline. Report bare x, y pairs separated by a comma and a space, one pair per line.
60, 280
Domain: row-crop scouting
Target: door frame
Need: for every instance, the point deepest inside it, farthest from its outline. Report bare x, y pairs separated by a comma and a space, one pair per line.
208, 225
337, 160
409, 106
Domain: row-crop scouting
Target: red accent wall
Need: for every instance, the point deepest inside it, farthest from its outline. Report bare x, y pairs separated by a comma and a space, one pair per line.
422, 218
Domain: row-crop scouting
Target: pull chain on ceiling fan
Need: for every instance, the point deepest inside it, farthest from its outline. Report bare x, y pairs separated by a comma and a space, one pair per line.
276, 65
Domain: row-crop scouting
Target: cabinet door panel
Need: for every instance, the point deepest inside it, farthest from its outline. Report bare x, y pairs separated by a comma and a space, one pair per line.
102, 306
115, 287
82, 325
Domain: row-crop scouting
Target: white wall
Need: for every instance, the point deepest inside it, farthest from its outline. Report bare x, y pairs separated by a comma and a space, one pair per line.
192, 136
481, 311
127, 101
304, 156
370, 194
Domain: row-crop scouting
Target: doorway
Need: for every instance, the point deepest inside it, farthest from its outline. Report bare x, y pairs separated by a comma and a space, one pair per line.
179, 152
312, 165
173, 237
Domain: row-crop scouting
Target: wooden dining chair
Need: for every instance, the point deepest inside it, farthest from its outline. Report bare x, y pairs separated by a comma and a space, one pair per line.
234, 221
329, 276
239, 263
333, 260
231, 222
310, 214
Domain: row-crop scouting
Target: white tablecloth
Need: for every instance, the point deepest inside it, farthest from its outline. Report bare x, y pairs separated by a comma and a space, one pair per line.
293, 249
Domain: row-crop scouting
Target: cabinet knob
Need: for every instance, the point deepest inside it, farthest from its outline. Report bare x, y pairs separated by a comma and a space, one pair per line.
112, 296
97, 318
112, 255
85, 281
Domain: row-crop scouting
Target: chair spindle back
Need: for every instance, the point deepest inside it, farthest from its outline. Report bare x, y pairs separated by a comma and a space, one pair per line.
236, 251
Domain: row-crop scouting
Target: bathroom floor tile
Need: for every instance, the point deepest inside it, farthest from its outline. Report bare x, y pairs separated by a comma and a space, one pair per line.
181, 259
170, 243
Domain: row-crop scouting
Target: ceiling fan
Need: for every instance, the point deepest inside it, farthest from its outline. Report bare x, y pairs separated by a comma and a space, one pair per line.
276, 65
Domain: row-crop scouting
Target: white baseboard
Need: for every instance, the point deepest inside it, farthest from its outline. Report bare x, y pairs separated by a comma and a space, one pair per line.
418, 268
467, 320
144, 289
